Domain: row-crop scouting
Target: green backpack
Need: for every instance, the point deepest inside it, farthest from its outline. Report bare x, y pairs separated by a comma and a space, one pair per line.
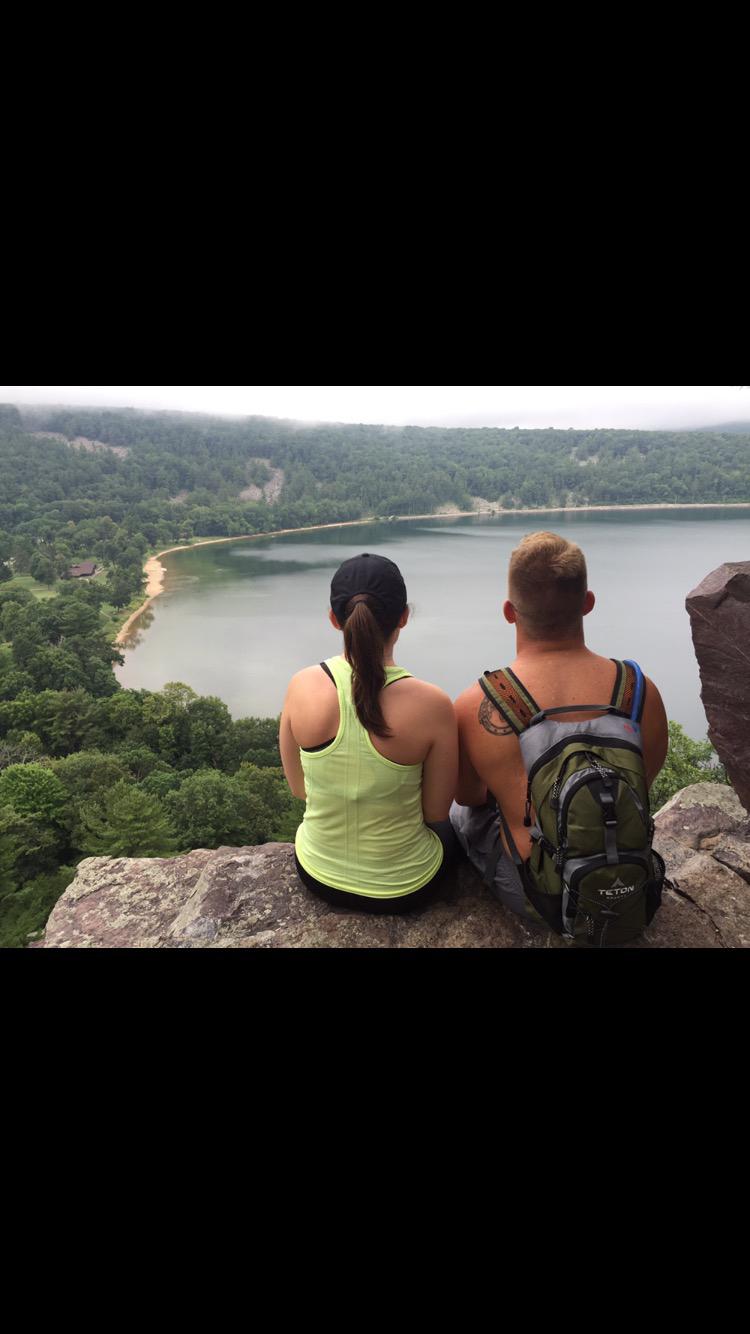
593, 875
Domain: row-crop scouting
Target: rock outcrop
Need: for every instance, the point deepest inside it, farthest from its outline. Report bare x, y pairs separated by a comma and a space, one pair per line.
719, 610
251, 897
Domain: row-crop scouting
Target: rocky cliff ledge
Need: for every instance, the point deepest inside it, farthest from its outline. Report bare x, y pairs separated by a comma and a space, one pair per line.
251, 897
719, 610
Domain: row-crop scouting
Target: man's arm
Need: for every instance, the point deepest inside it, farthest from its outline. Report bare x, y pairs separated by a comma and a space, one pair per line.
654, 732
471, 790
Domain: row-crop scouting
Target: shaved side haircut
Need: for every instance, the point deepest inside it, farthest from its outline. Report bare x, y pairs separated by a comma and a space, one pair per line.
547, 582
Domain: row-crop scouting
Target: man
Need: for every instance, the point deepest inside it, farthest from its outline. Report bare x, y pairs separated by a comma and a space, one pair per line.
548, 597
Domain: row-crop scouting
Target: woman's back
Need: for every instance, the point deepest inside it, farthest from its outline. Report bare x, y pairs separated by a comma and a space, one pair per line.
372, 750
364, 829
412, 713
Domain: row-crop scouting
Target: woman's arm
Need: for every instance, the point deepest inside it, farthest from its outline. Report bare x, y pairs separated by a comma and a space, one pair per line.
440, 769
290, 759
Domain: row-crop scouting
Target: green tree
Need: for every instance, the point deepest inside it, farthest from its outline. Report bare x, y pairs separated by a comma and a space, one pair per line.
252, 806
88, 773
78, 619
32, 789
87, 776
23, 550
210, 731
178, 694
161, 781
139, 761
132, 824
687, 762
24, 911
8, 849
42, 569
28, 846
280, 813
209, 810
20, 748
13, 683
256, 741
56, 668
120, 589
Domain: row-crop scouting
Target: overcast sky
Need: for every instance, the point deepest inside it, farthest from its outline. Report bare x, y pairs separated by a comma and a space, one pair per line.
422, 405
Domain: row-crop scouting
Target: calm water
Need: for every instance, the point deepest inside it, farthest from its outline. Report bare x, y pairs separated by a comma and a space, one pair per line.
237, 620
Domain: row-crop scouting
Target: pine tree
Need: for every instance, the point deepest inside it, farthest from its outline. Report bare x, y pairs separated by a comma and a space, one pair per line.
132, 824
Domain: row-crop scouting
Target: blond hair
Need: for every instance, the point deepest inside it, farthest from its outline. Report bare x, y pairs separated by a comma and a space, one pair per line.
547, 582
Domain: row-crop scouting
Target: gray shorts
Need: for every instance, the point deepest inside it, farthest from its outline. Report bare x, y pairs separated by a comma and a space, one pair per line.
477, 829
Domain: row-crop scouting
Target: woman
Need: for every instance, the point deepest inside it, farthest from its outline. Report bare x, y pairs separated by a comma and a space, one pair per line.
373, 752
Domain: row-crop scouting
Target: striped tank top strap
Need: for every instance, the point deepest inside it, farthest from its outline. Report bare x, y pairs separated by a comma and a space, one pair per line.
629, 692
510, 697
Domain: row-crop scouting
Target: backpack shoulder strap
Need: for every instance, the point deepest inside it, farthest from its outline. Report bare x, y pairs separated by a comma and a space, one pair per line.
629, 692
510, 697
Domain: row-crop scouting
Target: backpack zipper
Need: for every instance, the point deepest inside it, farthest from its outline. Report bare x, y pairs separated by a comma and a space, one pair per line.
555, 793
591, 739
580, 780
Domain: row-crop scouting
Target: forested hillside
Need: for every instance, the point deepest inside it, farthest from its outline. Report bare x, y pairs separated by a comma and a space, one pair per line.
87, 767
338, 471
176, 476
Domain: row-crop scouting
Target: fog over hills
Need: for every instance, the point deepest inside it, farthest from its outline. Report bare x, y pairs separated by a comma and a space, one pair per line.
526, 407
726, 428
467, 421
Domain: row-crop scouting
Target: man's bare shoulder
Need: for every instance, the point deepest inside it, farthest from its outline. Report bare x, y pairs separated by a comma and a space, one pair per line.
654, 720
469, 699
477, 714
652, 689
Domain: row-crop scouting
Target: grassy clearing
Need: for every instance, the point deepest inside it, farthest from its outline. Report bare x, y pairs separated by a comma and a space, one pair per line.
113, 618
41, 591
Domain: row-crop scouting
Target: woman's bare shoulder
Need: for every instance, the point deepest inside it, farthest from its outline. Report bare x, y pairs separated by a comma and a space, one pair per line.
429, 694
306, 677
304, 673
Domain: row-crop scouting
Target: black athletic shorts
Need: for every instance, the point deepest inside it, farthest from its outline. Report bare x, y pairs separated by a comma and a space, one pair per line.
420, 898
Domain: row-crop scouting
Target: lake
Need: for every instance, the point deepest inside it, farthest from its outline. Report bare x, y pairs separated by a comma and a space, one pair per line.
238, 619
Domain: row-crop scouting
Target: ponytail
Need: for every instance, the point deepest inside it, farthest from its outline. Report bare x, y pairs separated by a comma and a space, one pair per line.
364, 642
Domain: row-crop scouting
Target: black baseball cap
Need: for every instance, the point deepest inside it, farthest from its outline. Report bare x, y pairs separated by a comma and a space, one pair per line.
374, 575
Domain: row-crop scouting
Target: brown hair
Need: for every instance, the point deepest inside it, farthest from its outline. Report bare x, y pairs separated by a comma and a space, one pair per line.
547, 583
365, 633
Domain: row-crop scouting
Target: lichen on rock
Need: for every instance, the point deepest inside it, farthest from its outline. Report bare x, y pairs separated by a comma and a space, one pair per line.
251, 898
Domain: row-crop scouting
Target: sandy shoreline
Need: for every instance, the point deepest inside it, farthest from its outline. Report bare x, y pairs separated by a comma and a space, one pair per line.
155, 572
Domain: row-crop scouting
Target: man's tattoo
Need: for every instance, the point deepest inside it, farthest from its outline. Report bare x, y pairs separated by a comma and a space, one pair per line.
485, 710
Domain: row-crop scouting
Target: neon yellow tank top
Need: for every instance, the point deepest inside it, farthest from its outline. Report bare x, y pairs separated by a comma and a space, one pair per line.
363, 828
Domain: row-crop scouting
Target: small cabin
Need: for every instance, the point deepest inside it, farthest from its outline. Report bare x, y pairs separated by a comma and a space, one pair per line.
86, 567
